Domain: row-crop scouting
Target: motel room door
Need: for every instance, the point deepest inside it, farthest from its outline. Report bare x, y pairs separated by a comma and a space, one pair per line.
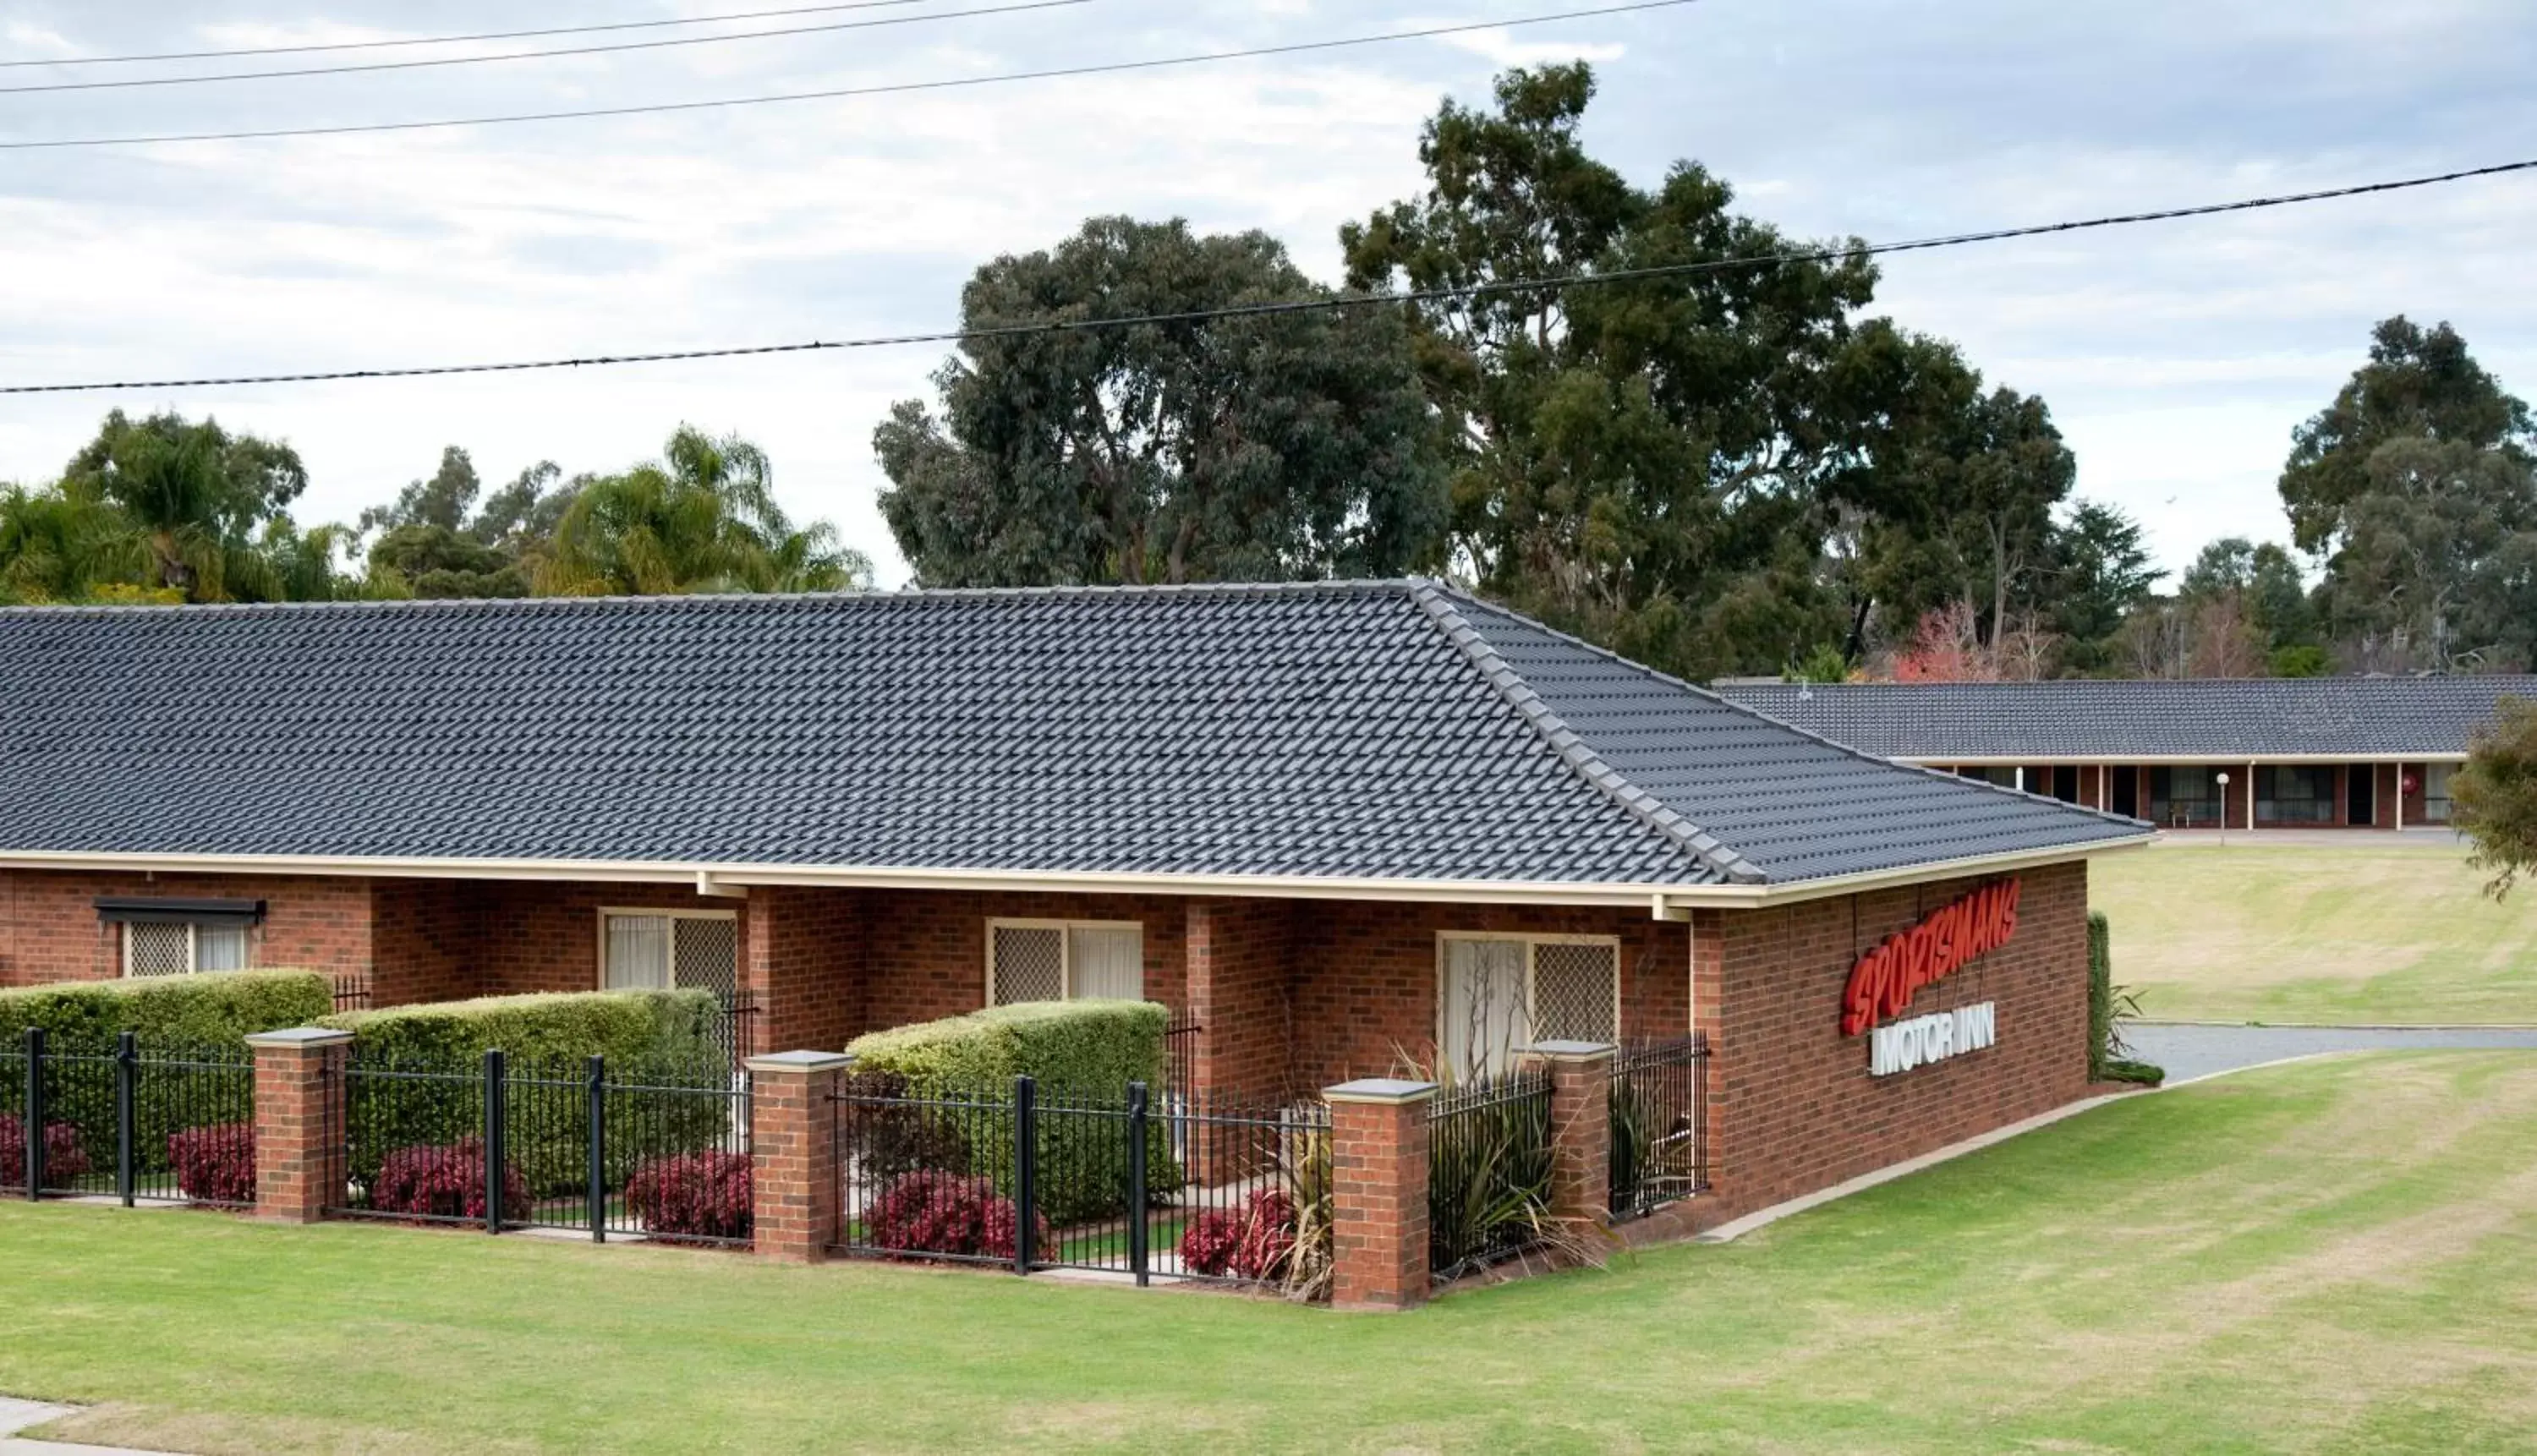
1483, 1017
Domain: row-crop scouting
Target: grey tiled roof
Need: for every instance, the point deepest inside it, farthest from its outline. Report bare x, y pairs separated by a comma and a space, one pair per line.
2275, 718
1389, 730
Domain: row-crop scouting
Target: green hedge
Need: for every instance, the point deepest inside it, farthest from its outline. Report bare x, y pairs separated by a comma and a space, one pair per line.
636, 1031
2108, 1007
175, 1013
1070, 1048
1075, 1051
662, 1037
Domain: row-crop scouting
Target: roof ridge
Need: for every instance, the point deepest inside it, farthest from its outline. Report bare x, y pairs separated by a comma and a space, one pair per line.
1332, 586
1750, 711
1703, 848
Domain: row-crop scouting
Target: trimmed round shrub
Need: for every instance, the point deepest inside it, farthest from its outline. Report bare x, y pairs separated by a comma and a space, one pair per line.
1251, 1243
696, 1195
934, 1212
64, 1157
442, 1183
217, 1163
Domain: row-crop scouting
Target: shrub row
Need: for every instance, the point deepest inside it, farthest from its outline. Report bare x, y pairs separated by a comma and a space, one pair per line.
663, 1033
1085, 1052
179, 1013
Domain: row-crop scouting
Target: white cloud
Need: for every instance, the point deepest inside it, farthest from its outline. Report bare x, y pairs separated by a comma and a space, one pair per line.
2176, 357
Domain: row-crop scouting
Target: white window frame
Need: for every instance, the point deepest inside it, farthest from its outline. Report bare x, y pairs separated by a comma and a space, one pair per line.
193, 948
1531, 945
1065, 948
600, 959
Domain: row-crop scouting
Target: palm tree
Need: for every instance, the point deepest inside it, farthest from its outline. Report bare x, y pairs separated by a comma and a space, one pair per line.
703, 519
56, 546
194, 493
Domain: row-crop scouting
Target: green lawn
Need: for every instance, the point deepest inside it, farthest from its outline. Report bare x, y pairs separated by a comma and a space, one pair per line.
2331, 1258
2396, 934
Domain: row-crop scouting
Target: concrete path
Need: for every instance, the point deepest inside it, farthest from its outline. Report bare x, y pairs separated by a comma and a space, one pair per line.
2189, 1052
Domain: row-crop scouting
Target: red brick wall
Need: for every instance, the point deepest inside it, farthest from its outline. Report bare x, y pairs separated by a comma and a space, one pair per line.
543, 935
928, 949
1365, 978
1792, 1106
803, 959
49, 930
427, 940
1238, 987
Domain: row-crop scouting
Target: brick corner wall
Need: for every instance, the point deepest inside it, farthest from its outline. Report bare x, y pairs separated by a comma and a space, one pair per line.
1794, 1109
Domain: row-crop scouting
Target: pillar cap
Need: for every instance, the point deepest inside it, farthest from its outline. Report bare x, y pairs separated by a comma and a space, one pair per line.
800, 1061
300, 1036
1384, 1090
1571, 1051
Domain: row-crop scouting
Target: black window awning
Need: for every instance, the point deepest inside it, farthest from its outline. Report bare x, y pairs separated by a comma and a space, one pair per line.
126, 910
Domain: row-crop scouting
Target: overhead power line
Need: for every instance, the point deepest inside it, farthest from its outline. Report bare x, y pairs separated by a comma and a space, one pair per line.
606, 48
318, 47
957, 82
1318, 306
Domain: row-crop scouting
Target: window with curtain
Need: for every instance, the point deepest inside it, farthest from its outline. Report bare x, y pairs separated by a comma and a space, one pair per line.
1502, 993
182, 949
2295, 794
2186, 794
658, 950
1065, 960
2435, 790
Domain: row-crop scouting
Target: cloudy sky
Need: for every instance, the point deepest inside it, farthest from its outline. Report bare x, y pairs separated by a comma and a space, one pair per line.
2176, 357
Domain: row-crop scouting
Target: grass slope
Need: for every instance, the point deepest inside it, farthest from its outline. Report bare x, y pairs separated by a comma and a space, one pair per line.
2332, 1258
2385, 934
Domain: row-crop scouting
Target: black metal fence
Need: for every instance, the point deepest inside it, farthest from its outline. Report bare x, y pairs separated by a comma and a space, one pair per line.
737, 1032
352, 992
1660, 1141
1490, 1167
1180, 1055
1129, 1186
113, 1120
573, 1148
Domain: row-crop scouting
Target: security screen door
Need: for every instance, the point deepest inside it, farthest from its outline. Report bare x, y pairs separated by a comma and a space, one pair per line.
1504, 994
659, 952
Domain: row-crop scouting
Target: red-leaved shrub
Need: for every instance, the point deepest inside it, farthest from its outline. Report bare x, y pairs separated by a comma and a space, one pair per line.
443, 1182
944, 1213
701, 1195
64, 1158
1251, 1243
215, 1165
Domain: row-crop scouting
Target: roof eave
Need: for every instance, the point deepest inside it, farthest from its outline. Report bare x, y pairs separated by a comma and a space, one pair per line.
1662, 900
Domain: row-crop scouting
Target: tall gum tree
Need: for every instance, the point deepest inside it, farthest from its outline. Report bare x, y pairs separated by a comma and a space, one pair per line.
1261, 448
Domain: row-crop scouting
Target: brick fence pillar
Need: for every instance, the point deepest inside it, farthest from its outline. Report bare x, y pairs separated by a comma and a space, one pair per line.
1379, 1193
792, 1139
298, 1124
1581, 1126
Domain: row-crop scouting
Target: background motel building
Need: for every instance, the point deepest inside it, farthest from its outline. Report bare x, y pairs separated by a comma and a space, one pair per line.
1330, 826
2296, 753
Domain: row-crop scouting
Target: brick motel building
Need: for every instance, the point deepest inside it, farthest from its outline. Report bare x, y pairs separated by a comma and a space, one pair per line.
1339, 828
2273, 753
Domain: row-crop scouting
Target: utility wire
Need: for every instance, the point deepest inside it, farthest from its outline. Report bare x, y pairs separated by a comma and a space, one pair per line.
897, 89
539, 55
315, 48
1319, 305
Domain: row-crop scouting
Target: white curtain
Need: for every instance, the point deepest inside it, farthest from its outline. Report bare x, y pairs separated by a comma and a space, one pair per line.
220, 947
638, 953
1484, 1015
1107, 962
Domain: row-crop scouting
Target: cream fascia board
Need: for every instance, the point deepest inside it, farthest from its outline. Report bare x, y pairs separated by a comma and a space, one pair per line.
1672, 902
2161, 760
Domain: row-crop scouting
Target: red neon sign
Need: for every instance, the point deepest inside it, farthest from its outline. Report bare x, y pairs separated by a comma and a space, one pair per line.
1886, 978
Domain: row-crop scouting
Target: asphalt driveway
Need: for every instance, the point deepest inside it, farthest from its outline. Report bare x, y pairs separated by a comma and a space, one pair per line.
2199, 1050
